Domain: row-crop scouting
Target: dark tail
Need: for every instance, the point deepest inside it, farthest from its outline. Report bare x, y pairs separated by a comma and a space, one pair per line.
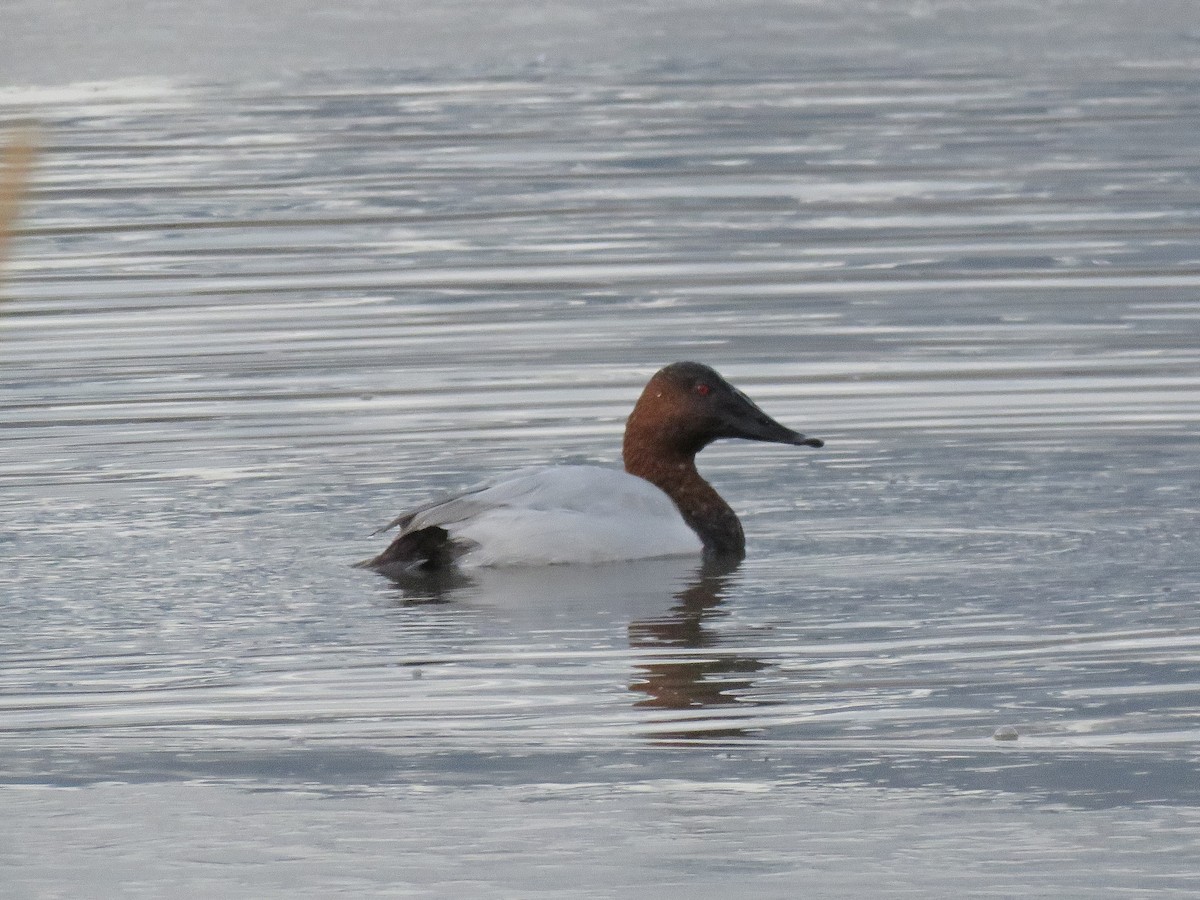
424, 550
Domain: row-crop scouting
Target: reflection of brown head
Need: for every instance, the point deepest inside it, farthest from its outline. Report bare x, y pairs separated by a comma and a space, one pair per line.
688, 680
16, 161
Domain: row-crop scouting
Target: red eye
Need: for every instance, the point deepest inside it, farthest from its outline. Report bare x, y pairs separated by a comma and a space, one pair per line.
703, 389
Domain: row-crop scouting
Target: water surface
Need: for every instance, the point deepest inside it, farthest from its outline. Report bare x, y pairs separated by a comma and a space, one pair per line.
247, 325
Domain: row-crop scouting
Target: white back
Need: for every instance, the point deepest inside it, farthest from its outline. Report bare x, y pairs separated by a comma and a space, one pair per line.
563, 514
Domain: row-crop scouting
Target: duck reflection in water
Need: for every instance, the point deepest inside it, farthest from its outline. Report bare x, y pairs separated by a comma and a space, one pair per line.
687, 680
669, 606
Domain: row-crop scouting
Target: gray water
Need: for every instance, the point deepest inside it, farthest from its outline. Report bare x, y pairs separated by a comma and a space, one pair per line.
247, 323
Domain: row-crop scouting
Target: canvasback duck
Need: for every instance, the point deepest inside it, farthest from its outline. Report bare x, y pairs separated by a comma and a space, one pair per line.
659, 506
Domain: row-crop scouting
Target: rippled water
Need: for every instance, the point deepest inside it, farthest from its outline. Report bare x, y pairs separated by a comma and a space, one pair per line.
246, 326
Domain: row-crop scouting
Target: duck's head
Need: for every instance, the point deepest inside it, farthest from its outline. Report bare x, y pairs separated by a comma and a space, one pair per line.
687, 405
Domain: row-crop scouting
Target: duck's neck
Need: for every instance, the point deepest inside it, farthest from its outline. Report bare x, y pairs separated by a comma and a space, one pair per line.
704, 510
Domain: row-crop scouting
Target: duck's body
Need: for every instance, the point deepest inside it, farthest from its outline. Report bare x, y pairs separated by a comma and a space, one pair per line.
659, 506
555, 514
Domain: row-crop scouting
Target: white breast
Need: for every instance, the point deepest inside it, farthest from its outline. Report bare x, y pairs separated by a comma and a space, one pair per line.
563, 514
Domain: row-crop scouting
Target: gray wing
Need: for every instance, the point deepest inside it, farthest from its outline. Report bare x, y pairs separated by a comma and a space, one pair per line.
471, 502
446, 511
